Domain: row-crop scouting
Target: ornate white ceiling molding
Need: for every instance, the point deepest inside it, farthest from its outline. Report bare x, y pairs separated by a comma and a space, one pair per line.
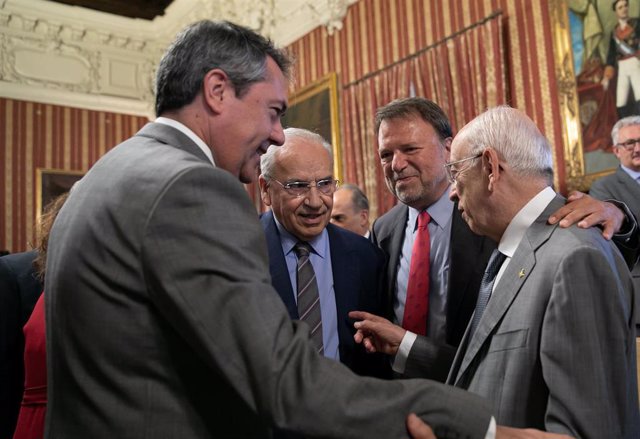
72, 56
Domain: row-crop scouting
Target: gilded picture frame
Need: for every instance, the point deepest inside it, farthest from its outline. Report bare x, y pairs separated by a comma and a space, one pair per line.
582, 166
51, 183
315, 107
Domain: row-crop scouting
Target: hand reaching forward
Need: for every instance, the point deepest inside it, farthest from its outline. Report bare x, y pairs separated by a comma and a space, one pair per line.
377, 334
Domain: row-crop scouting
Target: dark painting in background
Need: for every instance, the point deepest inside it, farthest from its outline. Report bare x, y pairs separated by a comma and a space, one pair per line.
315, 108
51, 183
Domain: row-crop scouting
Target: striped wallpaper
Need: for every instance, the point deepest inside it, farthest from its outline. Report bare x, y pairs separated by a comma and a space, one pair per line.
33, 136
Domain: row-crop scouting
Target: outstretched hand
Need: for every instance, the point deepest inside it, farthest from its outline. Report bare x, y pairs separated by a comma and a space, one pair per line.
588, 212
376, 333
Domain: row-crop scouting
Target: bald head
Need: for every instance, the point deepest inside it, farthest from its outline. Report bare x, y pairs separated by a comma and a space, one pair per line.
351, 209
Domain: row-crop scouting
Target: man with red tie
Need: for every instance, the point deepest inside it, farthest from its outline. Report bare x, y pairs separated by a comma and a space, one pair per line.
432, 302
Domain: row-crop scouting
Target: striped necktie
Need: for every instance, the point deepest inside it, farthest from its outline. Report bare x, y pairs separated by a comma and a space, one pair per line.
486, 286
308, 297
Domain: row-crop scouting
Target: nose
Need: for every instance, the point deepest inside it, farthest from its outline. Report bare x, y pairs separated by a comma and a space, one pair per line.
453, 193
313, 198
399, 162
277, 134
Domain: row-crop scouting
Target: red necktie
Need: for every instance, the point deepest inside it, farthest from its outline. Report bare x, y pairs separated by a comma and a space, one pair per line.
417, 304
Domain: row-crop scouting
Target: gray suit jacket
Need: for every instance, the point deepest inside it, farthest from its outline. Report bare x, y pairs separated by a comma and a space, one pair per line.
162, 321
555, 348
620, 186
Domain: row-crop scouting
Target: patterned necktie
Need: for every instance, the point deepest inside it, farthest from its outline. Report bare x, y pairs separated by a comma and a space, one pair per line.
308, 297
416, 307
486, 286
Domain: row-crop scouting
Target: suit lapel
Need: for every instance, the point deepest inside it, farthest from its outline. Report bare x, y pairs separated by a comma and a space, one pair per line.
627, 185
277, 265
390, 241
508, 287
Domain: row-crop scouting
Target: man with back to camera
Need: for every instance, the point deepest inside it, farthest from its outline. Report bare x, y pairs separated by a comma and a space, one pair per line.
624, 184
351, 209
161, 319
414, 137
297, 183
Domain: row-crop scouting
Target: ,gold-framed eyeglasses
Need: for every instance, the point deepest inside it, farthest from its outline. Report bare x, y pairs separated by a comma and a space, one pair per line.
452, 174
629, 145
326, 186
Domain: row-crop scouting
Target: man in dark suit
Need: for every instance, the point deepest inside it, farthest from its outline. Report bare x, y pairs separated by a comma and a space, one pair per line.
624, 184
348, 267
20, 288
161, 318
414, 138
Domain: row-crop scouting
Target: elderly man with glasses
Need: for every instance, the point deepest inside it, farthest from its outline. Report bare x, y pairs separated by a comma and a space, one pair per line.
624, 184
320, 270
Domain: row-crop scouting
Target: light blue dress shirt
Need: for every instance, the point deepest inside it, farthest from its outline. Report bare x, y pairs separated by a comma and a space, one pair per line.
321, 261
441, 213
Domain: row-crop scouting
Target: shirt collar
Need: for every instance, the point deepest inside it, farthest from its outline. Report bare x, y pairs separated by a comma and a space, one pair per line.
633, 174
522, 221
440, 212
186, 131
319, 244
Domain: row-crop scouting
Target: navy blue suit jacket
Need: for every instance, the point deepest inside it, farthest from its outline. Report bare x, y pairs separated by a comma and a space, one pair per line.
358, 270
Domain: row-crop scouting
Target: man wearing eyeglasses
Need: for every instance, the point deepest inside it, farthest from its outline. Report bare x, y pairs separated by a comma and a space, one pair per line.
414, 139
297, 183
624, 184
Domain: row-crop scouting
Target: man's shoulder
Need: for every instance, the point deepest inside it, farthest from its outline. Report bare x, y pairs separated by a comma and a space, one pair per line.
346, 240
391, 219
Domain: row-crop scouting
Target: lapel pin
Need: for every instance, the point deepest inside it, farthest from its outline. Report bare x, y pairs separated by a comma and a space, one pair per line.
521, 274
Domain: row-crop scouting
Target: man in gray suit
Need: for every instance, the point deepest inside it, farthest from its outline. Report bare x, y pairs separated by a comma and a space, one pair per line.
554, 347
624, 184
161, 318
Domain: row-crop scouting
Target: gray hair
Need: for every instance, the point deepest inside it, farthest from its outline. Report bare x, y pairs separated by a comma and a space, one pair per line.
358, 198
515, 137
205, 45
268, 159
624, 122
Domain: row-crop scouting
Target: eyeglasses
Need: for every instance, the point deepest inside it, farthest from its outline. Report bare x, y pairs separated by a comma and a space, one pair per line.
628, 144
452, 174
302, 188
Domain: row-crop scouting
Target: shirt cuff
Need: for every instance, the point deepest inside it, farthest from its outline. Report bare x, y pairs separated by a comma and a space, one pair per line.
491, 433
400, 360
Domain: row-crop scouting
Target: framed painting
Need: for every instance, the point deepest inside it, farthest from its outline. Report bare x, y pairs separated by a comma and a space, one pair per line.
591, 92
315, 107
51, 183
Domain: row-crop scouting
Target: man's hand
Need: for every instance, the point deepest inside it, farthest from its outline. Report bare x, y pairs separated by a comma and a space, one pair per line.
588, 212
527, 433
377, 334
418, 429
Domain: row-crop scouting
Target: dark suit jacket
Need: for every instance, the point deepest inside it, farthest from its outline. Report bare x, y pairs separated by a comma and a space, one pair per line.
468, 259
162, 321
358, 268
19, 292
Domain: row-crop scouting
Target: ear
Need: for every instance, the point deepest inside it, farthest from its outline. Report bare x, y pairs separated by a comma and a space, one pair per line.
264, 192
616, 151
447, 148
216, 86
491, 167
364, 218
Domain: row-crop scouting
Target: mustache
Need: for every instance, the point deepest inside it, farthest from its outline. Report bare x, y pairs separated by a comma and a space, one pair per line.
400, 175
